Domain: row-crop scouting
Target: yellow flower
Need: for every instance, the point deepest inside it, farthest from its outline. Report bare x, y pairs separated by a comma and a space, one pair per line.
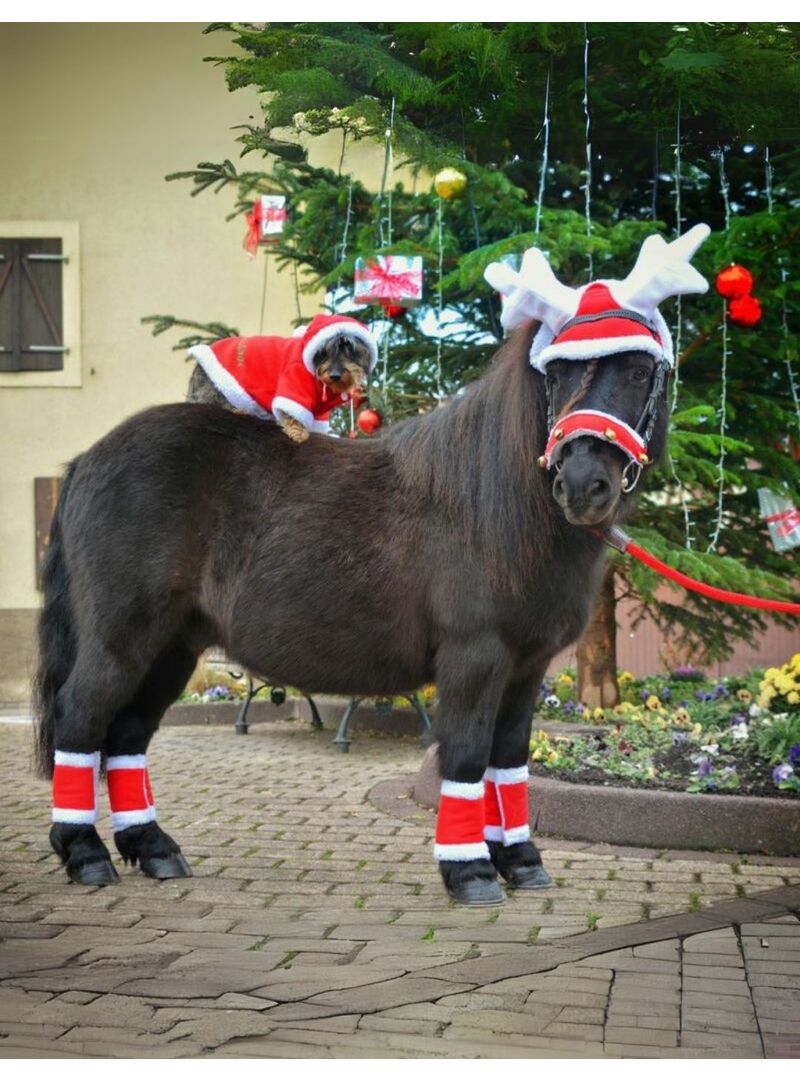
697, 730
624, 677
552, 756
598, 713
744, 696
541, 736
567, 680
682, 716
793, 697
651, 772
537, 754
652, 703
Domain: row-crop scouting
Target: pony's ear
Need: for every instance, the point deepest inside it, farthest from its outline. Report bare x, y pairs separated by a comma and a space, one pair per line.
663, 270
532, 293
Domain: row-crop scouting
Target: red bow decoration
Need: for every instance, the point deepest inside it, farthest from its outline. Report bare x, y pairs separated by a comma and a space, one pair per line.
386, 284
789, 521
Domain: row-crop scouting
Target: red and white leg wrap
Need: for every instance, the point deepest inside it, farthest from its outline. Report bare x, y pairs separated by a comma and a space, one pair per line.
75, 787
459, 826
129, 791
507, 805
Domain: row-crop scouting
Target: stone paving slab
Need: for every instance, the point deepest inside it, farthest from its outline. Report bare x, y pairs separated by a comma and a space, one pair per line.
316, 927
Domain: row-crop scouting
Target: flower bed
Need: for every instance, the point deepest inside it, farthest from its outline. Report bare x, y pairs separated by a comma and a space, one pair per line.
681, 733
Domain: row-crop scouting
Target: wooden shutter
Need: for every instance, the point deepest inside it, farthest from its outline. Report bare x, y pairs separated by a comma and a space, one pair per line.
31, 305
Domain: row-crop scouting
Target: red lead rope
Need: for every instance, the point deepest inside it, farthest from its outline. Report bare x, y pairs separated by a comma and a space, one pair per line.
616, 538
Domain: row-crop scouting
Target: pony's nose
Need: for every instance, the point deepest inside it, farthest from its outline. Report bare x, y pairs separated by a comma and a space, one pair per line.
583, 489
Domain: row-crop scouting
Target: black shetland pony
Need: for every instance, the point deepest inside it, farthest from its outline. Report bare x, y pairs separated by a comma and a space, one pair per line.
455, 558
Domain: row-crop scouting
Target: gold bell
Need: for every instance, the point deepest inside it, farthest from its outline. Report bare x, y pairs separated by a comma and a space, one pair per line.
610, 434
644, 459
542, 462
559, 434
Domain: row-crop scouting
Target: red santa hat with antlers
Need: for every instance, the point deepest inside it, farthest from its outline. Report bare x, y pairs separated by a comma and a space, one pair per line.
604, 317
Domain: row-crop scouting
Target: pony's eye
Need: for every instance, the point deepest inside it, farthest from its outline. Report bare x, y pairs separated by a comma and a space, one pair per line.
640, 374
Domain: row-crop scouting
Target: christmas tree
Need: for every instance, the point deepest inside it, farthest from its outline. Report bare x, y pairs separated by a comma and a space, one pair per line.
581, 140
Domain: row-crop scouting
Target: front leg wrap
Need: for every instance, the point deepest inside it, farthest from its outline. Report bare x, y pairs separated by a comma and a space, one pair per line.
507, 805
461, 822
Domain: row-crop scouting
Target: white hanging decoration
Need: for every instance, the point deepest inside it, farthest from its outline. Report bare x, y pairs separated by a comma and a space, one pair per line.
439, 303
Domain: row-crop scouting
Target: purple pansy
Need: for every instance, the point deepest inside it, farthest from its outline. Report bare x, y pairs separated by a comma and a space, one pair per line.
794, 754
738, 718
703, 766
782, 772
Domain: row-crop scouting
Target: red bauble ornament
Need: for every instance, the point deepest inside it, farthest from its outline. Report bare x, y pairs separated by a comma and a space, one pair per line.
734, 281
369, 421
744, 311
393, 311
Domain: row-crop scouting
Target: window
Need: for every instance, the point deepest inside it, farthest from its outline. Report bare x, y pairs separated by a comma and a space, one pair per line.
39, 304
31, 304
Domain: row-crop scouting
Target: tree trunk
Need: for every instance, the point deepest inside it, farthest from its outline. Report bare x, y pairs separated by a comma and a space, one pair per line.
597, 651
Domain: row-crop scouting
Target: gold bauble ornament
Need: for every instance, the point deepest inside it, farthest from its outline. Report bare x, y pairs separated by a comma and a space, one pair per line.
450, 183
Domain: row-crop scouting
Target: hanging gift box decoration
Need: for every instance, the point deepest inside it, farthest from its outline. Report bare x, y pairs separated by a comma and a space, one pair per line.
782, 518
265, 222
389, 279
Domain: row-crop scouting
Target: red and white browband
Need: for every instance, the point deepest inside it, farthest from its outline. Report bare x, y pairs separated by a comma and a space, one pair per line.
600, 425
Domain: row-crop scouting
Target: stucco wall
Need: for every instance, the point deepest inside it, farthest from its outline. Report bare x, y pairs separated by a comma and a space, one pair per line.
92, 117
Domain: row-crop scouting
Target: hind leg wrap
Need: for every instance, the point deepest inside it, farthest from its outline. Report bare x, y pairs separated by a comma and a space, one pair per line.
73, 835
129, 792
75, 785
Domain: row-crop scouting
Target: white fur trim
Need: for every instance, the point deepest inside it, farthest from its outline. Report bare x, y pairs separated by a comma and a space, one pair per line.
493, 832
590, 349
127, 761
516, 835
74, 817
322, 426
332, 330
77, 761
457, 790
516, 775
284, 406
234, 393
300, 331
460, 852
123, 819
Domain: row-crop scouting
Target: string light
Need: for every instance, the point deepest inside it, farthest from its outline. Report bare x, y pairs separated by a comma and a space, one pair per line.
440, 302
687, 519
588, 185
712, 546
545, 151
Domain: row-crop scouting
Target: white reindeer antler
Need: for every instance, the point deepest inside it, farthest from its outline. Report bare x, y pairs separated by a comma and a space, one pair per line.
662, 270
533, 293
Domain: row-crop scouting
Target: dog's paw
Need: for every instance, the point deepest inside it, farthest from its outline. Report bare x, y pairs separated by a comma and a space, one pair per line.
294, 429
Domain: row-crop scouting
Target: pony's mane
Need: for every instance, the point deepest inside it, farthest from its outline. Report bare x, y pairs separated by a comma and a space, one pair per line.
476, 457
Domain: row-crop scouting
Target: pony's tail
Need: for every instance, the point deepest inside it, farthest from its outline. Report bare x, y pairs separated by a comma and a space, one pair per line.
56, 636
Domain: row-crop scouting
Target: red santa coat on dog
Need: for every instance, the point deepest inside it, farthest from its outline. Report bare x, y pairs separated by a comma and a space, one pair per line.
274, 377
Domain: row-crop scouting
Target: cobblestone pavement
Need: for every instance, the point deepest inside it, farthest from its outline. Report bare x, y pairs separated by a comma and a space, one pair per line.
316, 926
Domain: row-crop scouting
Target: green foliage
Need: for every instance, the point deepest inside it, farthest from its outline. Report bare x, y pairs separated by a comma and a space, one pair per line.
471, 95
777, 736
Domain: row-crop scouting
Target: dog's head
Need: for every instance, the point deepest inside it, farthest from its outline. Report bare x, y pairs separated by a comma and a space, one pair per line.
343, 363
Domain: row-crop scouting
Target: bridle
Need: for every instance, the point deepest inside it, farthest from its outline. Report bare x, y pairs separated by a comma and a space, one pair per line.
632, 441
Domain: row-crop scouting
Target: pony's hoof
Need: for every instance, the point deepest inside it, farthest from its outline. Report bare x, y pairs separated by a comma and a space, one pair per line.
477, 892
164, 867
529, 877
101, 872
